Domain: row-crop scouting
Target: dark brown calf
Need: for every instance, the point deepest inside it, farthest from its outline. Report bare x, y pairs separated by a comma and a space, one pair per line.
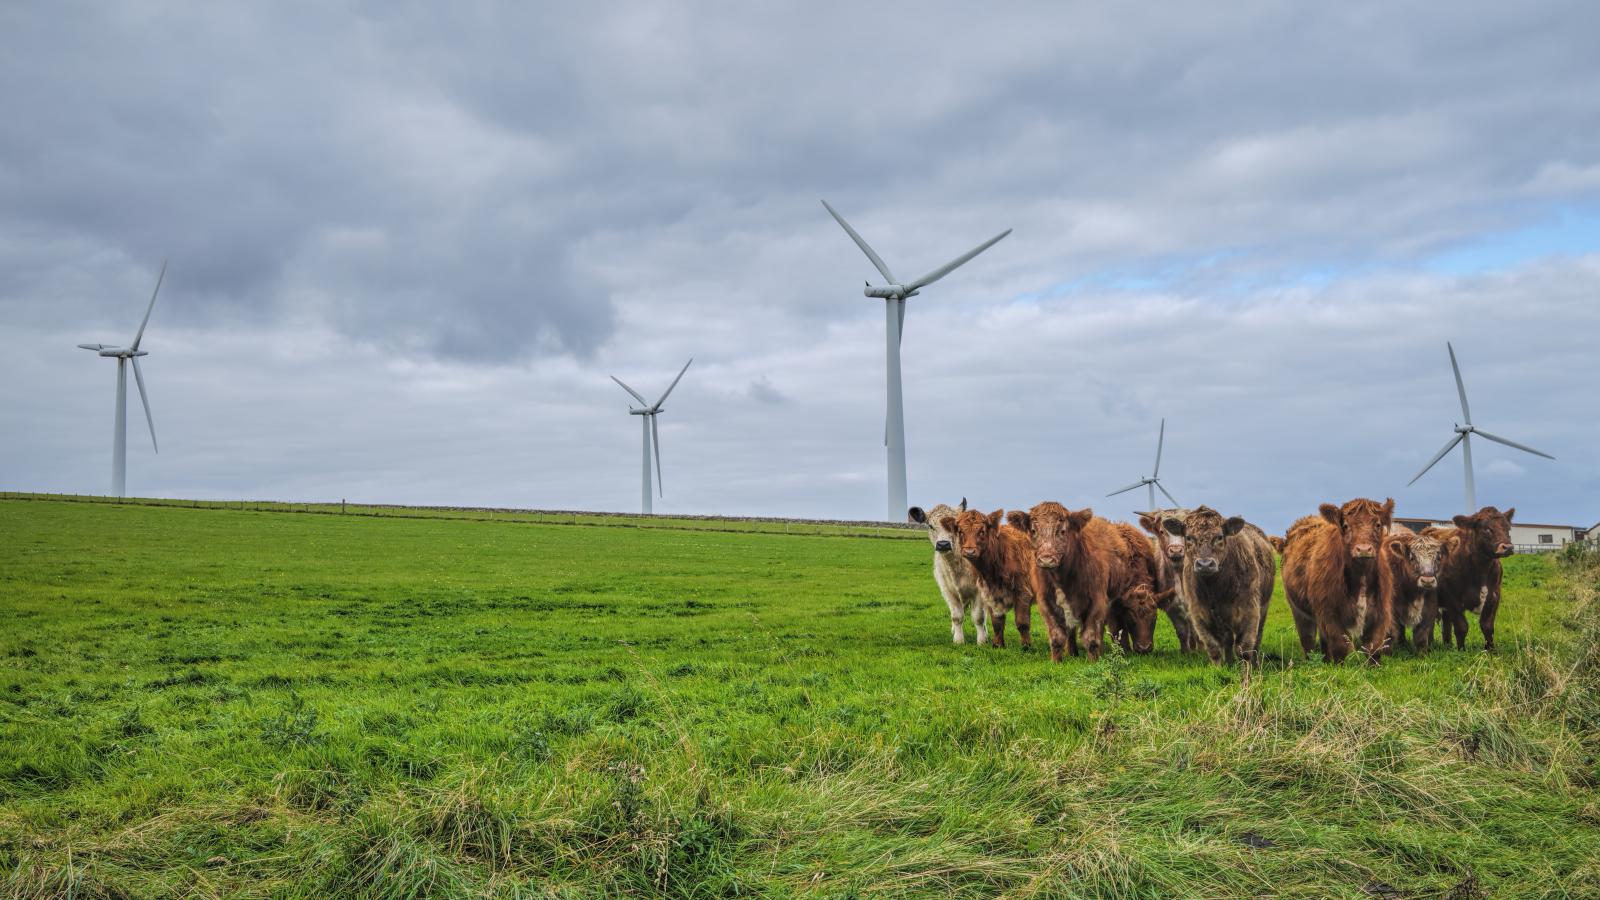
1080, 558
1135, 597
1469, 580
1228, 571
1414, 561
1335, 580
1003, 561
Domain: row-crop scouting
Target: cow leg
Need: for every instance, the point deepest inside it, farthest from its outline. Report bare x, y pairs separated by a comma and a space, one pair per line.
997, 627
1335, 641
1422, 632
1377, 640
1072, 642
1306, 627
1094, 627
1491, 606
1055, 624
980, 622
1457, 622
1024, 614
957, 634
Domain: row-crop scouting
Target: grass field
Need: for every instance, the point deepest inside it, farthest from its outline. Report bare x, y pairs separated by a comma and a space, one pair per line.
215, 702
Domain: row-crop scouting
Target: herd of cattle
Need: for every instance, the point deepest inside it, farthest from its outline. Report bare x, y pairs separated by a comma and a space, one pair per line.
1352, 577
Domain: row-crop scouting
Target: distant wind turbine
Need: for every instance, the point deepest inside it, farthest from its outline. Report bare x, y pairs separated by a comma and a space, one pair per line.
1464, 438
1152, 483
123, 356
895, 294
651, 435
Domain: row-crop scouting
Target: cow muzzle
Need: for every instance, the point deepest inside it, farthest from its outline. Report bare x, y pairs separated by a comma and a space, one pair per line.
1205, 566
1504, 550
942, 546
1427, 582
1048, 562
970, 552
1364, 551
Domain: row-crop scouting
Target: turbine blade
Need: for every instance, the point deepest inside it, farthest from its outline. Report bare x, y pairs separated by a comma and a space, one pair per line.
1436, 457
655, 441
138, 376
674, 383
630, 390
1500, 440
956, 263
1136, 484
93, 346
900, 329
861, 242
1460, 388
1164, 493
1162, 440
140, 336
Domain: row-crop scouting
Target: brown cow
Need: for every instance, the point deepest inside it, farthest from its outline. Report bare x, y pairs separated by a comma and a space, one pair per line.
1169, 557
1228, 571
1135, 600
1335, 580
1277, 543
1081, 560
1469, 580
1002, 557
1414, 561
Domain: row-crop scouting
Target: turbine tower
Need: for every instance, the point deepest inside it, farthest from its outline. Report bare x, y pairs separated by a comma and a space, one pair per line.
895, 293
1152, 483
651, 435
1464, 438
124, 356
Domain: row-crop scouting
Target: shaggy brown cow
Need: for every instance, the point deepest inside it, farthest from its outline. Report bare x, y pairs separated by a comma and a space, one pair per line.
1135, 601
1335, 580
1469, 580
1414, 561
1081, 561
1228, 570
1169, 557
1277, 543
1002, 558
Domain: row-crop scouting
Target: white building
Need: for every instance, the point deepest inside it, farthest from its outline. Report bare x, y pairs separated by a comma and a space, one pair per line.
1528, 537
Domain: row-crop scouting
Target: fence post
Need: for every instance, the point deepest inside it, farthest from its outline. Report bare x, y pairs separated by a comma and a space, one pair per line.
341, 506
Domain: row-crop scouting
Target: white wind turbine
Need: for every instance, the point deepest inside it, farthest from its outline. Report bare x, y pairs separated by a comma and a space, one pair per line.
1152, 483
1464, 438
651, 435
123, 356
895, 294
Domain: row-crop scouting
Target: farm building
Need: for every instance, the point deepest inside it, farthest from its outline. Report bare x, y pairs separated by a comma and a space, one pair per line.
1528, 537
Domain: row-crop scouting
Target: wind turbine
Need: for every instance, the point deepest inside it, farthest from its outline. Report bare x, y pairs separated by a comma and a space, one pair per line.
1153, 482
1464, 438
123, 356
895, 294
651, 435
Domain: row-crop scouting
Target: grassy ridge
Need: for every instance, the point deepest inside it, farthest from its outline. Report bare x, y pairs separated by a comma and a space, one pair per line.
234, 702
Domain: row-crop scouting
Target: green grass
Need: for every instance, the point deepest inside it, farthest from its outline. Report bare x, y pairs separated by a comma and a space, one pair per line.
228, 703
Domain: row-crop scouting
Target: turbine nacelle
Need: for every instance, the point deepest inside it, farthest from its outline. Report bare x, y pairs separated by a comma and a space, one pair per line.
889, 292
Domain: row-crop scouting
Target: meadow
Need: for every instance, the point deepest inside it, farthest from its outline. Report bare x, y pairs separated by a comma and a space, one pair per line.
233, 702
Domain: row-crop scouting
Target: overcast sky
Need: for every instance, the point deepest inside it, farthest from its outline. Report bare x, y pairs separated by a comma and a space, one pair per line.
409, 242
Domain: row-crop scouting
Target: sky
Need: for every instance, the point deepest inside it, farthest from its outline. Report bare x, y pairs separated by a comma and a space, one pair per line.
409, 243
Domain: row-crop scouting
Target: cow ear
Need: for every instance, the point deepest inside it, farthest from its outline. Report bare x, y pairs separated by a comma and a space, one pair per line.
1173, 526
1080, 518
1388, 512
1509, 513
1396, 544
1452, 542
1020, 520
996, 517
948, 523
1233, 526
1464, 521
1147, 521
915, 514
963, 504
1331, 513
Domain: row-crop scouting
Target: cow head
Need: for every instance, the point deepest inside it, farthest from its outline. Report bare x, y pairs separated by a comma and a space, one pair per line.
973, 530
1170, 544
1422, 555
1488, 531
1205, 536
1141, 607
1363, 524
943, 539
1053, 529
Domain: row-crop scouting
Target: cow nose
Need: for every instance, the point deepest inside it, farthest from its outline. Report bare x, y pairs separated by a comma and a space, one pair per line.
1503, 549
1427, 581
1206, 566
969, 552
1365, 551
942, 546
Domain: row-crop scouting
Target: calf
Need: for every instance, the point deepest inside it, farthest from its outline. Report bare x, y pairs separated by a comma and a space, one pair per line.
1469, 580
1413, 561
1335, 580
957, 580
1169, 557
1080, 560
1135, 597
1002, 559
1227, 575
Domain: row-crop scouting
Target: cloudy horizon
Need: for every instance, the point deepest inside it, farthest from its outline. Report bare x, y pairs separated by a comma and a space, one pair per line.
409, 246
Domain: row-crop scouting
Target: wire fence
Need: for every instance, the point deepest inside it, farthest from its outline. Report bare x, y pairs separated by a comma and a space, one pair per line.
723, 524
